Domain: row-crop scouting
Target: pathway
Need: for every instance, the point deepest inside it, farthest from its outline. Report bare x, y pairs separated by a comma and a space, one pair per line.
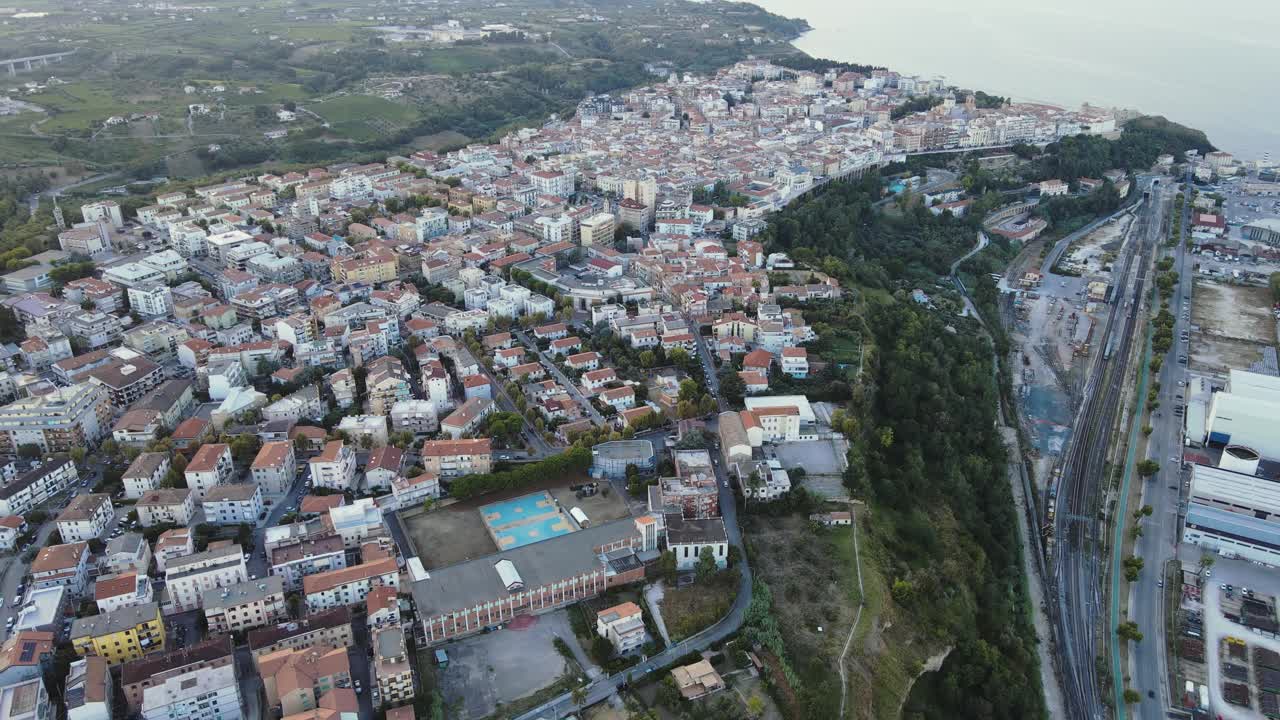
857, 619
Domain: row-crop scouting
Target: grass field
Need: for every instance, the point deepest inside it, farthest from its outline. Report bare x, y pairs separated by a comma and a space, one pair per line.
364, 117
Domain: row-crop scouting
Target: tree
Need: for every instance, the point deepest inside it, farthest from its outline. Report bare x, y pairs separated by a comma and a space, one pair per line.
1131, 696
732, 388
77, 455
1148, 467
706, 566
689, 390
1128, 630
578, 696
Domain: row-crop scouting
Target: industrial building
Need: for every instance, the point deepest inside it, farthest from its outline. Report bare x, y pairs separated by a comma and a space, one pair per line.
1245, 412
1232, 511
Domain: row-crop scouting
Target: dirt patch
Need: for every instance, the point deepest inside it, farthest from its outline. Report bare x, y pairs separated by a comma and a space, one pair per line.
1239, 312
448, 536
1233, 324
602, 507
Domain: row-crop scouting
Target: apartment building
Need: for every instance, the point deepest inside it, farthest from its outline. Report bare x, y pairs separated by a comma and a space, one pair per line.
128, 589
173, 544
166, 506
294, 680
212, 465
88, 690
65, 565
467, 417
126, 381
452, 458
245, 606
208, 694
23, 658
328, 627
120, 635
334, 467
144, 474
86, 517
274, 468
36, 486
623, 626
382, 607
128, 552
187, 578
68, 417
349, 586
154, 669
238, 504
412, 492
391, 669
415, 416
292, 563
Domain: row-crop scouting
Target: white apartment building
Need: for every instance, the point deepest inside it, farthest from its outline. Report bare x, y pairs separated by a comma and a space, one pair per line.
415, 416
88, 689
127, 589
275, 468
20, 495
293, 562
349, 586
208, 693
335, 467
246, 606
166, 506
144, 474
86, 517
233, 504
623, 626
412, 492
189, 577
108, 210
212, 465
151, 300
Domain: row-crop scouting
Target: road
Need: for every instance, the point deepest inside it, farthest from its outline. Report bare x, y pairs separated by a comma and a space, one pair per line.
257, 564
603, 688
1159, 541
33, 200
533, 439
1078, 547
560, 377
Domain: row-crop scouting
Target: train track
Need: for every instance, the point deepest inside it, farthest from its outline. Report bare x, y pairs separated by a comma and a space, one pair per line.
1076, 549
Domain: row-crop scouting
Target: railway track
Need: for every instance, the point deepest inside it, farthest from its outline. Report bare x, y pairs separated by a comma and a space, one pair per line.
1076, 549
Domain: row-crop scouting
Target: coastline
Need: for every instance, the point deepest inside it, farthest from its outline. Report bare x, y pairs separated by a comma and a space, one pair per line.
1124, 69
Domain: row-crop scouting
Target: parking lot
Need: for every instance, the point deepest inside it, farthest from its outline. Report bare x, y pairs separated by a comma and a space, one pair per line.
823, 466
500, 667
1235, 668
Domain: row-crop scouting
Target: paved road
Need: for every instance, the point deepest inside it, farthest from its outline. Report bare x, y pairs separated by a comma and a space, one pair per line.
257, 564
604, 688
532, 437
1159, 541
561, 378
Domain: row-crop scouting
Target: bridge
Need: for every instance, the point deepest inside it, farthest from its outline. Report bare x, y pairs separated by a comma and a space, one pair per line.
29, 63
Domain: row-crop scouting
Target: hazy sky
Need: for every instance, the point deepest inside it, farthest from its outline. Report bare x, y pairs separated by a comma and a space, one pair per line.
1213, 66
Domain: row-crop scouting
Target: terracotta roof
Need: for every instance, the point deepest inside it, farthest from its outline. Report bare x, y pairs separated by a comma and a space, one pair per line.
59, 557
381, 598
444, 448
385, 458
125, 583
316, 504
273, 454
295, 670
321, 582
191, 428
206, 458
330, 452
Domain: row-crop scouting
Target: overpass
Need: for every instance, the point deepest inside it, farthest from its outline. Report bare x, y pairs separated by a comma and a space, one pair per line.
33, 61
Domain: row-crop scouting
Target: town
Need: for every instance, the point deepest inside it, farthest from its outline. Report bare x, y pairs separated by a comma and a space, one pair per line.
281, 444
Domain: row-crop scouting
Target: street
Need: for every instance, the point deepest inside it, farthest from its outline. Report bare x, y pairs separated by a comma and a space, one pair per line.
1163, 492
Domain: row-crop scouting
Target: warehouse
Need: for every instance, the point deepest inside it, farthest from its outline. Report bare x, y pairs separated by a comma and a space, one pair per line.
1245, 413
1234, 513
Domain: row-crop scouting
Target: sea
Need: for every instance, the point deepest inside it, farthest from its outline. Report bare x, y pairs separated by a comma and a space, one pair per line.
1211, 66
